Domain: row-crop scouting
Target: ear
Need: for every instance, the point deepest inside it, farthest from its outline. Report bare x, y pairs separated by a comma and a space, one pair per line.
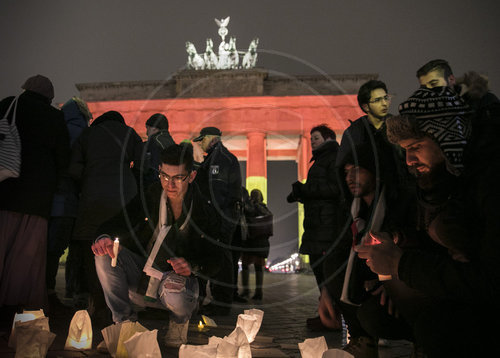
192, 176
451, 80
365, 107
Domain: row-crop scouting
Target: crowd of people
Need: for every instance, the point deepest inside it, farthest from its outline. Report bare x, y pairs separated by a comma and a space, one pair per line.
400, 223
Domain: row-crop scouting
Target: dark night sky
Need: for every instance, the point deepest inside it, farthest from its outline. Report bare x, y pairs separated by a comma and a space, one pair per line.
118, 40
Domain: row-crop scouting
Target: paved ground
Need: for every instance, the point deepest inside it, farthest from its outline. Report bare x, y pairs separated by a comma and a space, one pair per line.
288, 300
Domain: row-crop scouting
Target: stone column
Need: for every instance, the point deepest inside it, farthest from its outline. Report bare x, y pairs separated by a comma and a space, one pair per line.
303, 157
257, 163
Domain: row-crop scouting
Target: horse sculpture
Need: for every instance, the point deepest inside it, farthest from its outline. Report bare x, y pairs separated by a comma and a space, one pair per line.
234, 59
210, 57
250, 58
195, 61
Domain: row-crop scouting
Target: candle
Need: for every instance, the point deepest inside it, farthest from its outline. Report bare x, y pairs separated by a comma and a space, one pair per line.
116, 245
201, 326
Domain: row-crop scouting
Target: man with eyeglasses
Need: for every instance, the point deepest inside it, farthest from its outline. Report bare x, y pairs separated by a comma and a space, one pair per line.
166, 239
370, 129
219, 178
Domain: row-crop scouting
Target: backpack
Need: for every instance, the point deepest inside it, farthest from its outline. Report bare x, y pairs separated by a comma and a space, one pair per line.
10, 145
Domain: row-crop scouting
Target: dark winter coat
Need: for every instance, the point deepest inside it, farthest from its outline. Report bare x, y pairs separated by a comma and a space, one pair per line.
45, 153
66, 197
101, 164
321, 196
257, 242
153, 147
391, 167
219, 179
475, 198
196, 243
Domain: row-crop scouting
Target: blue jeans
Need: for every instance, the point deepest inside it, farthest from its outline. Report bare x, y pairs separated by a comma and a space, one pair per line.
120, 285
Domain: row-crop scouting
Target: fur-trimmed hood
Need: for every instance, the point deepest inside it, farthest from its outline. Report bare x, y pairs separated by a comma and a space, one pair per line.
473, 85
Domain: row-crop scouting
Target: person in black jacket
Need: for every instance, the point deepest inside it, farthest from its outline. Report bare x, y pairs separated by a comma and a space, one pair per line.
374, 100
321, 196
256, 246
159, 138
25, 201
458, 208
101, 165
219, 179
166, 239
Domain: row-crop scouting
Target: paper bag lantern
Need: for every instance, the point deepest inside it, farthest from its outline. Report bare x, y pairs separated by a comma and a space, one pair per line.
143, 345
336, 353
252, 326
203, 351
111, 334
27, 320
127, 330
80, 332
225, 348
33, 342
313, 347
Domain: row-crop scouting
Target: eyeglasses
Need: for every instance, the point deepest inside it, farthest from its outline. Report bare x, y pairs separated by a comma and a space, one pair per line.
176, 179
386, 98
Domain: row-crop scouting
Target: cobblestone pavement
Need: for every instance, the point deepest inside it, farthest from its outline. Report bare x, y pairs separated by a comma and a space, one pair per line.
289, 299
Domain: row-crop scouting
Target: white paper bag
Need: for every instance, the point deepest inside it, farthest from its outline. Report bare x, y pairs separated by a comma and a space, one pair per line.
143, 345
203, 351
252, 327
24, 320
80, 332
225, 349
239, 339
111, 334
336, 353
313, 347
25, 317
33, 342
127, 330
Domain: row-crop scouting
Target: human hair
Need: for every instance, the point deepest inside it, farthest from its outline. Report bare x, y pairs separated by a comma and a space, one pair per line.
158, 120
326, 132
256, 195
178, 154
403, 127
365, 91
435, 65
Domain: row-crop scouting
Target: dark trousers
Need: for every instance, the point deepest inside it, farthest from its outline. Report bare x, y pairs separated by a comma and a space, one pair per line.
222, 283
316, 262
59, 235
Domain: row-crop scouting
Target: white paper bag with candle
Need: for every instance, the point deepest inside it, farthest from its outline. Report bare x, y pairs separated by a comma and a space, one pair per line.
203, 351
80, 332
25, 317
143, 345
128, 329
24, 320
33, 342
111, 334
251, 326
313, 347
225, 349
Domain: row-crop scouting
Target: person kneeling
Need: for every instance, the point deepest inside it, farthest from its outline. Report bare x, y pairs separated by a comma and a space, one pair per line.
165, 241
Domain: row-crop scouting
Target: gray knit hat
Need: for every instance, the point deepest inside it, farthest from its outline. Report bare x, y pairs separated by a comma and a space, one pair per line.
442, 114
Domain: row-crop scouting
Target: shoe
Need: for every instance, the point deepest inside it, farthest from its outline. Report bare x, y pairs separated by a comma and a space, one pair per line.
57, 308
214, 310
176, 334
238, 298
245, 294
257, 296
362, 347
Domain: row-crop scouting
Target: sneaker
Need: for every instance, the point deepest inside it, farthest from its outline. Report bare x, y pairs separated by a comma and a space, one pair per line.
176, 334
362, 347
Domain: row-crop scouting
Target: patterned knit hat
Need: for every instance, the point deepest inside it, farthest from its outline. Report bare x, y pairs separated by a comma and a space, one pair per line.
444, 115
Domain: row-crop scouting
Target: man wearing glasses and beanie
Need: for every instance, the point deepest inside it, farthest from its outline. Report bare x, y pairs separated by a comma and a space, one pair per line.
166, 239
